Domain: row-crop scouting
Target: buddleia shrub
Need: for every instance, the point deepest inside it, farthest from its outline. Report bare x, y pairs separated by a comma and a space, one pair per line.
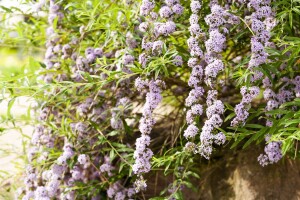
129, 89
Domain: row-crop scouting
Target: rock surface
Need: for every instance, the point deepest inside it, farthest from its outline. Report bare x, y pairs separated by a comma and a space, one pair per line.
240, 177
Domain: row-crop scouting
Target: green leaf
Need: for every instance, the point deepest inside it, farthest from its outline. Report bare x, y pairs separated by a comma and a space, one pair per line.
9, 106
255, 136
287, 145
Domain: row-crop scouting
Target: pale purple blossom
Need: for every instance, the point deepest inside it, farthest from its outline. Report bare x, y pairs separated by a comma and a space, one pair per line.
197, 109
272, 152
41, 193
216, 42
83, 159
178, 60
140, 184
178, 9
195, 6
171, 2
146, 7
128, 59
191, 131
241, 109
219, 138
143, 154
194, 96
170, 27
157, 47
165, 12
143, 27
143, 59
195, 30
194, 19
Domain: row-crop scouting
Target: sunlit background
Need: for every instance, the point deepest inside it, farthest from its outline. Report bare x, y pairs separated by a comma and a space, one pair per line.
13, 60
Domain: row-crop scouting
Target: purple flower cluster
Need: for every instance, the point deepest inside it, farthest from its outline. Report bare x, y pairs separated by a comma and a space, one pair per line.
67, 153
178, 60
193, 42
43, 137
106, 166
287, 92
215, 44
196, 77
241, 109
54, 180
84, 160
296, 82
152, 46
213, 69
146, 9
117, 192
262, 22
54, 50
85, 63
143, 154
168, 12
272, 153
31, 177
214, 111
118, 112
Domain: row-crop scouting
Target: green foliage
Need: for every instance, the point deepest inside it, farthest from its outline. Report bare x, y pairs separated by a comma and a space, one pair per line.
105, 23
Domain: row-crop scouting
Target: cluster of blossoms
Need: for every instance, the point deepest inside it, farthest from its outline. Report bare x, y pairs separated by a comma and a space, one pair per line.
214, 111
152, 46
241, 109
272, 153
287, 92
218, 22
142, 153
43, 137
196, 77
118, 112
262, 22
55, 51
214, 46
84, 63
167, 12
118, 192
59, 178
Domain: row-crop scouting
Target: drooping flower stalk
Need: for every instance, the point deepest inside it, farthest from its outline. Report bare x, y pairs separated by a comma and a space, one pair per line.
262, 21
214, 111
152, 44
272, 153
286, 93
196, 77
214, 46
143, 154
241, 110
44, 138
